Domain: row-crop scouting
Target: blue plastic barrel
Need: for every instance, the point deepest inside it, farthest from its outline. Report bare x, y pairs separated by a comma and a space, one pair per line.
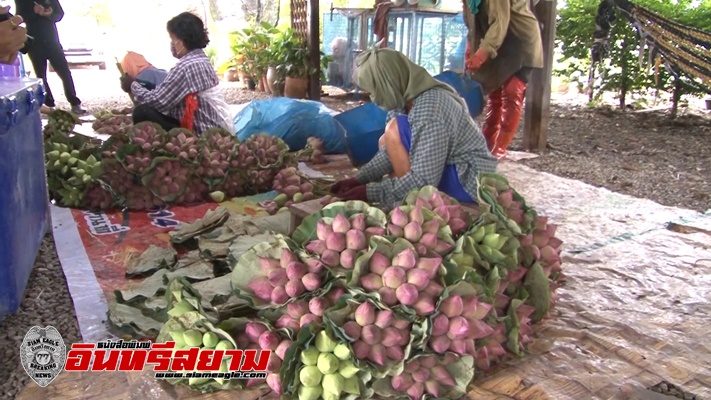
469, 89
363, 127
24, 205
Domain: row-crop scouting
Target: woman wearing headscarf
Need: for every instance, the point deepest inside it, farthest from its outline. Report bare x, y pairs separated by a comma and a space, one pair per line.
138, 68
430, 139
509, 50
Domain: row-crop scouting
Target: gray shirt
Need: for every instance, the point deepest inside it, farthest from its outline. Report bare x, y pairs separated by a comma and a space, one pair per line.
443, 133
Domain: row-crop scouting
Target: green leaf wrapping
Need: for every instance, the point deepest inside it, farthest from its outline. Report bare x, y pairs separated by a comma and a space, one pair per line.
248, 268
164, 168
461, 370
291, 367
539, 293
490, 185
181, 297
306, 232
343, 312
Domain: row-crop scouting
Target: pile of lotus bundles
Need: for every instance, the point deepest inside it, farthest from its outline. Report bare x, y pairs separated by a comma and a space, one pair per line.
60, 122
112, 124
292, 188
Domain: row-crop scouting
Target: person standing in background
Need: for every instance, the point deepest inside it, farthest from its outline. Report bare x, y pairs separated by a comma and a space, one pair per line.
40, 17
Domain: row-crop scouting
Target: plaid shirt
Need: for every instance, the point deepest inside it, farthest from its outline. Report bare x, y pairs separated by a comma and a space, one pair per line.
192, 74
443, 133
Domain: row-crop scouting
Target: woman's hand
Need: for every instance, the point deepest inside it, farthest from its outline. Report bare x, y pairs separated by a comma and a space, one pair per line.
126, 82
12, 39
474, 62
38, 9
357, 193
343, 186
47, 12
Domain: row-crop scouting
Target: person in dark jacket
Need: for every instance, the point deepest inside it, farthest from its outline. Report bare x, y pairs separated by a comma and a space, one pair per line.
510, 48
40, 17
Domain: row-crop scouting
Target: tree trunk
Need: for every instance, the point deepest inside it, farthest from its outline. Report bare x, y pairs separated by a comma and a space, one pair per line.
676, 96
624, 83
259, 11
278, 13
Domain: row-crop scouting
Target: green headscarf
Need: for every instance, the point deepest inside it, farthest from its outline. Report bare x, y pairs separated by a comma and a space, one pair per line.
474, 6
392, 79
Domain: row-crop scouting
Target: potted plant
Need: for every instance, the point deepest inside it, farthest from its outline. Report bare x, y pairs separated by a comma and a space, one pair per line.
295, 66
253, 43
276, 73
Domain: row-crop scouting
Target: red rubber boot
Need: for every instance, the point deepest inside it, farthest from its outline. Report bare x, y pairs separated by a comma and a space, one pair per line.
492, 125
512, 96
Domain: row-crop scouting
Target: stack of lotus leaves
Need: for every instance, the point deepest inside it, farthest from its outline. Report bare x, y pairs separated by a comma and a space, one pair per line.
358, 303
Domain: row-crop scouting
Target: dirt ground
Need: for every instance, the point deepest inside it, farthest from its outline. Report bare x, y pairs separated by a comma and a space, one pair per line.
640, 154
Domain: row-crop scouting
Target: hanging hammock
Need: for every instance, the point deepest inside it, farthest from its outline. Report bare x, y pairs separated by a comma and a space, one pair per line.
683, 50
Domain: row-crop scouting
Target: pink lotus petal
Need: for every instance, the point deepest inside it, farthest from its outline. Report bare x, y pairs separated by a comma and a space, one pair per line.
541, 222
526, 240
518, 274
479, 329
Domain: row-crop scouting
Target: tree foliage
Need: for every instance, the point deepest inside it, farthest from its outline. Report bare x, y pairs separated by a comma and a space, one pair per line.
621, 71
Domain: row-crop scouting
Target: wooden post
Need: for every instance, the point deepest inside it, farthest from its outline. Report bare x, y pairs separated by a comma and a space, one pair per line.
314, 49
538, 92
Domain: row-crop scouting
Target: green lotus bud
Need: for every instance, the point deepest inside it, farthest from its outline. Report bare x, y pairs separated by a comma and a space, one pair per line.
178, 338
342, 351
329, 396
180, 308
64, 157
53, 155
478, 234
310, 356
223, 368
327, 363
210, 340
502, 242
193, 338
352, 386
198, 381
347, 369
491, 228
310, 393
75, 153
310, 376
324, 343
218, 196
333, 383
224, 345
491, 240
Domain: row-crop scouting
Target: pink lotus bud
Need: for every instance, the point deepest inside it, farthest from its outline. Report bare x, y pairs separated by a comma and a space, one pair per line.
495, 348
455, 211
336, 242
355, 240
358, 222
458, 346
400, 323
470, 345
482, 360
541, 222
365, 314
348, 258
294, 288
371, 282
556, 244
307, 319
390, 337
388, 296
443, 213
286, 321
452, 306
335, 294
371, 334
401, 382
432, 226
311, 282
283, 348
278, 277
449, 358
525, 241
374, 231
434, 289
341, 224
314, 265
297, 308
261, 288
378, 263
421, 249
479, 329
384, 319
318, 305
416, 390
540, 239
377, 354
418, 277
457, 225
361, 350
549, 255
331, 258
429, 240
296, 270
407, 259
394, 353
439, 344
440, 325
399, 218
323, 230
394, 230
424, 306
416, 215
393, 277
431, 265
475, 309
287, 257
316, 246
413, 231
427, 362
534, 251
274, 364
254, 382
279, 295
352, 329
254, 330
421, 374
432, 388
412, 366
268, 264
274, 382
406, 294
443, 247
268, 341
404, 337
443, 376
505, 199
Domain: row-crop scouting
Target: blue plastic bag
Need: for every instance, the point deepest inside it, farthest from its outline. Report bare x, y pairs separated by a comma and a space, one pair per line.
294, 121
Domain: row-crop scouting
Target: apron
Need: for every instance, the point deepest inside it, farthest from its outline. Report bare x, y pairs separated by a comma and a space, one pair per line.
449, 183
